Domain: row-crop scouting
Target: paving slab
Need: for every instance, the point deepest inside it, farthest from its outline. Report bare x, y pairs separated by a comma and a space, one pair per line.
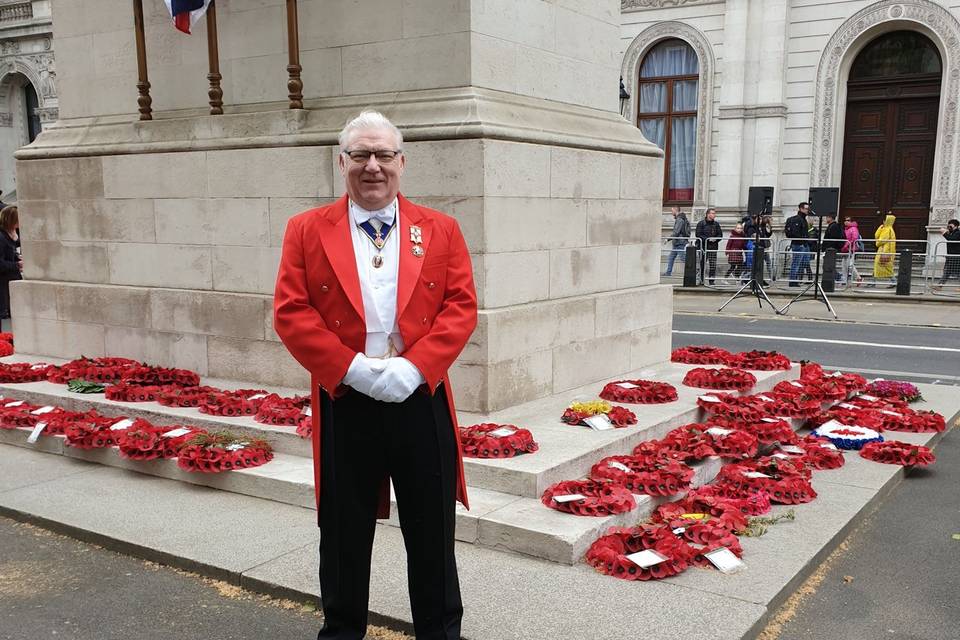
514, 597
41, 468
201, 526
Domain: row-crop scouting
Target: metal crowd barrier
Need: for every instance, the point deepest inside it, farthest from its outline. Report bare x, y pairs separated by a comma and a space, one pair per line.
943, 270
676, 271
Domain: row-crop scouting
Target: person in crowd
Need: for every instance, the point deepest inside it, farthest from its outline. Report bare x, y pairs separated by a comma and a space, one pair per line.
852, 245
375, 297
709, 232
680, 237
11, 264
886, 243
951, 267
796, 230
834, 238
736, 245
765, 228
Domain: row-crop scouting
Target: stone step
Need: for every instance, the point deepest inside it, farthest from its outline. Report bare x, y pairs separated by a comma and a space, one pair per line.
565, 451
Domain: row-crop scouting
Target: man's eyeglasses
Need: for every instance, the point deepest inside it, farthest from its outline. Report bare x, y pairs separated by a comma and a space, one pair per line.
362, 156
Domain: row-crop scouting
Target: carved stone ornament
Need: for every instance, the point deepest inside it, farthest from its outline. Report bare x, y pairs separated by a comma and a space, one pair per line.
630, 71
827, 133
641, 5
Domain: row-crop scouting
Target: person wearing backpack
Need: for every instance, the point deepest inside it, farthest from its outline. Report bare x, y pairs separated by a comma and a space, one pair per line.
796, 230
679, 239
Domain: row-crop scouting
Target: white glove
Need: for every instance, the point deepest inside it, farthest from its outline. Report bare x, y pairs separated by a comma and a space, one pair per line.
400, 378
363, 373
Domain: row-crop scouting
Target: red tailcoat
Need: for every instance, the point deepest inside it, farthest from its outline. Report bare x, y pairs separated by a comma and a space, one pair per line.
318, 307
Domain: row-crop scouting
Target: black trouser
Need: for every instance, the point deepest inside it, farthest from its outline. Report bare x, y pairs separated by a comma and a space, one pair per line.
708, 257
364, 441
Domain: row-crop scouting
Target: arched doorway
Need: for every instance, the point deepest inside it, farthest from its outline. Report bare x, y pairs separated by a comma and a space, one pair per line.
893, 100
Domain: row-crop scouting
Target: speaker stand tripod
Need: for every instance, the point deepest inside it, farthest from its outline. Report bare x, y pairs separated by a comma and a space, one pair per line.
755, 283
818, 292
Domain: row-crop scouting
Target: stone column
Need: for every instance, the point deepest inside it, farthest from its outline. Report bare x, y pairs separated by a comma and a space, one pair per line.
730, 134
160, 239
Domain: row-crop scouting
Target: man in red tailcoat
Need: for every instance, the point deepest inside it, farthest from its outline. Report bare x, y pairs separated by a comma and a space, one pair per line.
375, 298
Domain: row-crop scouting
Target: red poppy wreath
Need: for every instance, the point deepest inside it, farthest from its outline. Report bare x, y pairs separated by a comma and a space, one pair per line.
721, 379
639, 392
490, 440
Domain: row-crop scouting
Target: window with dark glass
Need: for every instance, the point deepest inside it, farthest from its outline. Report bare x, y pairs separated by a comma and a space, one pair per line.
899, 53
667, 114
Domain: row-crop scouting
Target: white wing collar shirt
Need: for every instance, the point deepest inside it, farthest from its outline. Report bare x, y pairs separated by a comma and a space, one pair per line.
378, 285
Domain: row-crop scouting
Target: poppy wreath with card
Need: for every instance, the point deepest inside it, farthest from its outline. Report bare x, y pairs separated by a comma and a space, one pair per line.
149, 442
125, 392
18, 372
721, 379
693, 443
809, 369
778, 478
904, 391
598, 498
577, 412
696, 507
760, 361
817, 455
704, 536
93, 433
822, 390
898, 419
658, 451
174, 395
242, 402
490, 440
766, 430
16, 413
729, 443
755, 504
700, 355
920, 422
280, 411
746, 408
608, 554
58, 420
222, 451
642, 475
639, 392
896, 452
158, 376
793, 406
103, 370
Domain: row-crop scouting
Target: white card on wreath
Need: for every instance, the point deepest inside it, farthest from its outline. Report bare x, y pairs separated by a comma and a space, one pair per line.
627, 385
708, 398
175, 433
599, 422
789, 448
613, 464
755, 474
257, 396
646, 558
718, 432
126, 423
41, 410
771, 420
502, 432
570, 497
868, 398
724, 560
35, 434
18, 403
765, 398
307, 411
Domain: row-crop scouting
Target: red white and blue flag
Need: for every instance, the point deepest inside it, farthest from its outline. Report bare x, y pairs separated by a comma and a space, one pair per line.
185, 13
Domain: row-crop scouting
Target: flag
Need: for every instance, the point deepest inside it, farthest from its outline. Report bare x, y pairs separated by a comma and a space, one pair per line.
185, 13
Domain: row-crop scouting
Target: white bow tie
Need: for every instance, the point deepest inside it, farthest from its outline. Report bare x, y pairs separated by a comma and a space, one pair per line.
385, 215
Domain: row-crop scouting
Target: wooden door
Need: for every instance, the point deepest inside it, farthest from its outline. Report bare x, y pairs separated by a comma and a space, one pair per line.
888, 153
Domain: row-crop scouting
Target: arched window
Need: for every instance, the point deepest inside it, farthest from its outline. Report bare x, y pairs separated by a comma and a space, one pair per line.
899, 53
667, 113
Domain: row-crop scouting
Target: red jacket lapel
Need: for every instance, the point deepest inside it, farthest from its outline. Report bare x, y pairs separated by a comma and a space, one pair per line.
338, 245
410, 264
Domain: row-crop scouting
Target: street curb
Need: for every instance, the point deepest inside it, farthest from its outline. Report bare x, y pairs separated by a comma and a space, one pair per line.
893, 299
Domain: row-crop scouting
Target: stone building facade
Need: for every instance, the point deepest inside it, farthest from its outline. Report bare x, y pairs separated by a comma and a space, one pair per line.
856, 94
159, 239
28, 87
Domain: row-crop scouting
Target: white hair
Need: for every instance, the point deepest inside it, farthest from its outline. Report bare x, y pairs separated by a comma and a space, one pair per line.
366, 121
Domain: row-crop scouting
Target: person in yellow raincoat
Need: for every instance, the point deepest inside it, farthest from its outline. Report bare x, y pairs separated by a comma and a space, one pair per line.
886, 241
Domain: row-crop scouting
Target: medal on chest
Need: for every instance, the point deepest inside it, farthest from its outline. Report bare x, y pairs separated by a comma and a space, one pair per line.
416, 238
378, 236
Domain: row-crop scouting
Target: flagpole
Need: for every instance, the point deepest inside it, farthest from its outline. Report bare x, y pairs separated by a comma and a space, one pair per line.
143, 84
294, 84
213, 55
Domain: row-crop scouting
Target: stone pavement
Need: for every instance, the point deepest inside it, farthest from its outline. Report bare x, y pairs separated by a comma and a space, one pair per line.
941, 312
237, 538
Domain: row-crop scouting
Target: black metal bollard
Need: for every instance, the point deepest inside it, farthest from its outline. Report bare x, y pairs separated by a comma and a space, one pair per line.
690, 267
829, 271
905, 272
